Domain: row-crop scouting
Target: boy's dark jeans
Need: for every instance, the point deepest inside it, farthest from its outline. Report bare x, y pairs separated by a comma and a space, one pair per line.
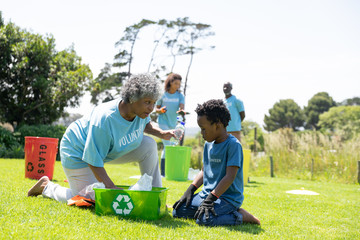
226, 213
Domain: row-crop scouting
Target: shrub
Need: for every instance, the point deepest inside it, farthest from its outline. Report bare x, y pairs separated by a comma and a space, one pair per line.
309, 155
9, 146
15, 151
197, 147
7, 139
248, 136
41, 130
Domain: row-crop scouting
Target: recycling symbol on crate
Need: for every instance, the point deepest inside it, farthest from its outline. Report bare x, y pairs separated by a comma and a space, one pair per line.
122, 204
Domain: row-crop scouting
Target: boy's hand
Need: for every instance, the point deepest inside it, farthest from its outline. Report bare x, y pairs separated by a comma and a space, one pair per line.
186, 197
206, 206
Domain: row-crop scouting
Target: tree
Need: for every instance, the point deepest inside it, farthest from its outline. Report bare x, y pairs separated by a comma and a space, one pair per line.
350, 102
318, 104
36, 81
164, 27
284, 114
184, 41
343, 121
103, 85
1, 20
197, 32
173, 40
127, 43
107, 84
180, 37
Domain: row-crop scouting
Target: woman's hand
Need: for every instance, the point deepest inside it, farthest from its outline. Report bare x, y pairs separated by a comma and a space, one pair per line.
182, 112
153, 129
160, 110
102, 176
163, 110
167, 134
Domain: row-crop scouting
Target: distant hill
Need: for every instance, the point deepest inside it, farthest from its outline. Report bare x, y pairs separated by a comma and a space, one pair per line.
191, 131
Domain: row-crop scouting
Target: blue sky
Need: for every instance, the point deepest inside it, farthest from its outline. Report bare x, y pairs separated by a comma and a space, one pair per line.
269, 50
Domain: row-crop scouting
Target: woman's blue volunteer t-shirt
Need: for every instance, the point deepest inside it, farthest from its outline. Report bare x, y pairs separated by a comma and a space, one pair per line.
235, 106
101, 136
217, 157
172, 103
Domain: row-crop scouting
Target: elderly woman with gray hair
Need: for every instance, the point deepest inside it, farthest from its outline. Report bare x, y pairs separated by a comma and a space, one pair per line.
112, 131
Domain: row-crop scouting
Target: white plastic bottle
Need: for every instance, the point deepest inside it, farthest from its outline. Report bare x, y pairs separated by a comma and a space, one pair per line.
179, 131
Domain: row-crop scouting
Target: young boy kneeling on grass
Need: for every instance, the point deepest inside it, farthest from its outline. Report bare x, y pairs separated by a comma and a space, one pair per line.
222, 174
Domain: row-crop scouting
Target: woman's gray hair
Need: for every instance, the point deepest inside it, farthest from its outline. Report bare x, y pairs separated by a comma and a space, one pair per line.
139, 86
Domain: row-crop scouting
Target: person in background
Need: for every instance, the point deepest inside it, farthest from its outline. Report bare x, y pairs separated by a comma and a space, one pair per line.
112, 131
237, 111
219, 201
168, 107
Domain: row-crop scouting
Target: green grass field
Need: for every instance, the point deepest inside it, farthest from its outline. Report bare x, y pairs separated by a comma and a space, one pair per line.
334, 214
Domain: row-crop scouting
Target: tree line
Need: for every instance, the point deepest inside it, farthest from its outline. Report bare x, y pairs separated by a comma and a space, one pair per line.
172, 39
321, 113
37, 82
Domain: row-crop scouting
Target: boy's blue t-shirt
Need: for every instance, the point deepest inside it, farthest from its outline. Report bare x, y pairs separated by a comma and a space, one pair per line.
101, 136
235, 106
216, 158
172, 103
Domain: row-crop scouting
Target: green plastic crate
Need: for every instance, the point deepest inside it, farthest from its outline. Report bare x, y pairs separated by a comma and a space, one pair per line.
147, 205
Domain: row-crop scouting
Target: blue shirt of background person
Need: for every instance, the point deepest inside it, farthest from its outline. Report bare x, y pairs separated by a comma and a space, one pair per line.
237, 111
102, 136
217, 157
235, 106
172, 102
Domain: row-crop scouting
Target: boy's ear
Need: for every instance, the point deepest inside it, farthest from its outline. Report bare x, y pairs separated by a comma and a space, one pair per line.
219, 125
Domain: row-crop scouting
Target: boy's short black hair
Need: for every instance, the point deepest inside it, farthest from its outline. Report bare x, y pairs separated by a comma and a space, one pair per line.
215, 111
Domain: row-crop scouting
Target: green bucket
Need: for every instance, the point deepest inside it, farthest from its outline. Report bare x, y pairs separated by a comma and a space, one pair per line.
177, 162
147, 205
